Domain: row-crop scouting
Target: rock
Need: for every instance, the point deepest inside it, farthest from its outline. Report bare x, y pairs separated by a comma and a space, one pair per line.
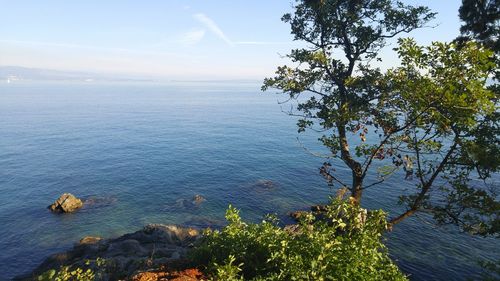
262, 186
292, 228
184, 204
317, 211
203, 222
66, 203
198, 199
90, 240
149, 276
319, 208
94, 202
129, 247
265, 184
157, 244
297, 215
175, 255
171, 234
191, 274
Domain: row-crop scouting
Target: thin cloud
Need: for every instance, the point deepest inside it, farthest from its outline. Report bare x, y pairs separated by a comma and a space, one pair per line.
213, 27
260, 43
192, 37
90, 48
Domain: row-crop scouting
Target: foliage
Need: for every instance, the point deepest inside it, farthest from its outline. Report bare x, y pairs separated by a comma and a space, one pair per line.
481, 21
447, 111
491, 271
69, 273
341, 88
345, 245
66, 274
433, 116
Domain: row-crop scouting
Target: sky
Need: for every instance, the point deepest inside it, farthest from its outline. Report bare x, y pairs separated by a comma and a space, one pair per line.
198, 39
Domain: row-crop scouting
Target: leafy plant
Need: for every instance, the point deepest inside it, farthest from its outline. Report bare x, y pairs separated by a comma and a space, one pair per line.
65, 273
71, 273
344, 245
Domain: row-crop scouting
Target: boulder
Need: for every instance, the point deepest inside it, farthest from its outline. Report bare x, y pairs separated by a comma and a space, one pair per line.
198, 199
66, 203
90, 240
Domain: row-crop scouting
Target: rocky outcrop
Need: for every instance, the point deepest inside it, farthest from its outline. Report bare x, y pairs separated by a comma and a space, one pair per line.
154, 245
66, 203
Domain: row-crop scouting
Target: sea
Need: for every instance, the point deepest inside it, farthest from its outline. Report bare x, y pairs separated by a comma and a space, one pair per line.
138, 152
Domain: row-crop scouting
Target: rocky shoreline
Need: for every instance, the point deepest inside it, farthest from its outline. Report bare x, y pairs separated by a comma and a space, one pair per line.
154, 246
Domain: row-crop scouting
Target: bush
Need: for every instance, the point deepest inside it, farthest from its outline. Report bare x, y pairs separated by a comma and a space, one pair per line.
69, 273
65, 273
345, 244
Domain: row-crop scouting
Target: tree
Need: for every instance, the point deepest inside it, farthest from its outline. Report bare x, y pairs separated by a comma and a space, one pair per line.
439, 92
433, 109
481, 22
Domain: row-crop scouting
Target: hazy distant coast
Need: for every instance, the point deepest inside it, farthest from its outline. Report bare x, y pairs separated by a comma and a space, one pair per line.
13, 74
18, 73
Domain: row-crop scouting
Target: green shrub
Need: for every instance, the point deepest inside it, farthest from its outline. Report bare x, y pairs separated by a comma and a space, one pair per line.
65, 273
69, 273
345, 244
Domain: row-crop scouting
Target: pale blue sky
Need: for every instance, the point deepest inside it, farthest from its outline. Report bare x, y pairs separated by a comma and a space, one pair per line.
173, 39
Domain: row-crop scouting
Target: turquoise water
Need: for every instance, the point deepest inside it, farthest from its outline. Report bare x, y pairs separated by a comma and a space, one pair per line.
140, 151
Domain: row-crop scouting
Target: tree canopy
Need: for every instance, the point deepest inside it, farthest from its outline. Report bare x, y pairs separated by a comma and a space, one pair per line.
481, 21
432, 116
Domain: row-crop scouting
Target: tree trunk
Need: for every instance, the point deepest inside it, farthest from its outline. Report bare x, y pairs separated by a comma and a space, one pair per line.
355, 166
426, 186
357, 184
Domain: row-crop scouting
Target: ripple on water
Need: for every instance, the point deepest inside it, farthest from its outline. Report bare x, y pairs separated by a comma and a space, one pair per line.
138, 154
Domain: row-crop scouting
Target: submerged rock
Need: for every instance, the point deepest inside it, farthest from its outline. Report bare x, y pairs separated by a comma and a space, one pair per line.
266, 184
187, 204
263, 185
204, 222
66, 203
94, 202
198, 199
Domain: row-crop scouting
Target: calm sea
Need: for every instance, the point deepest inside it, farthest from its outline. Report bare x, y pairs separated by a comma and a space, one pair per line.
140, 152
